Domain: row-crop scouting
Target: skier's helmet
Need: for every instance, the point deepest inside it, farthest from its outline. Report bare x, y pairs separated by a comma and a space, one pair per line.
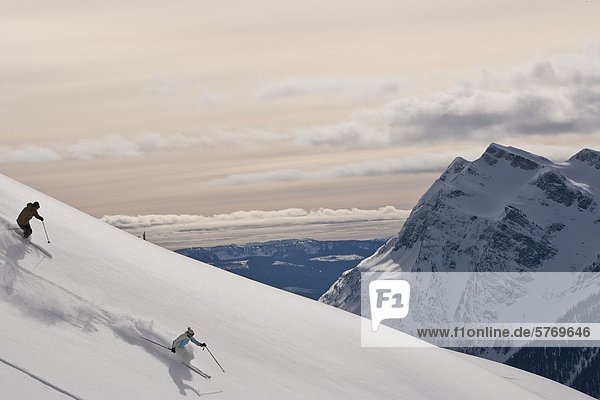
36, 205
190, 332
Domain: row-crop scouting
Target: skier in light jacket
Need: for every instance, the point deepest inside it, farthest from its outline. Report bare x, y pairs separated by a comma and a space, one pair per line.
185, 338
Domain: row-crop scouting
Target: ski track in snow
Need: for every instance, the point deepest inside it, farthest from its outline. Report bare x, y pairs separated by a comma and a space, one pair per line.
41, 380
209, 393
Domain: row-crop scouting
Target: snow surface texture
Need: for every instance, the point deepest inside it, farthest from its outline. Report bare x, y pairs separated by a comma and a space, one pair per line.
73, 312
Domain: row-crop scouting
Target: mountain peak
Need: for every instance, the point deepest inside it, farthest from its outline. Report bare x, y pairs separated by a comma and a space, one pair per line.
518, 158
589, 157
457, 165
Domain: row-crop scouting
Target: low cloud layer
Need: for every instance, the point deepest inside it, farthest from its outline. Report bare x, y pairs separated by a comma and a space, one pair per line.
256, 218
178, 231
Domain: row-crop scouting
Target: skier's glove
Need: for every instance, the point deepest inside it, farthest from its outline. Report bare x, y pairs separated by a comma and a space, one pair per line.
173, 349
202, 345
41, 218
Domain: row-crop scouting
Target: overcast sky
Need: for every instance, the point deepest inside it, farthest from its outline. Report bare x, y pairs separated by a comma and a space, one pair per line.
127, 108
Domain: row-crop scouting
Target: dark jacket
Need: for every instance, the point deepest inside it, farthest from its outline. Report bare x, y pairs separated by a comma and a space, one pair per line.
28, 212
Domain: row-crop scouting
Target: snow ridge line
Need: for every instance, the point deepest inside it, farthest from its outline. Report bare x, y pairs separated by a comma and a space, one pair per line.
41, 380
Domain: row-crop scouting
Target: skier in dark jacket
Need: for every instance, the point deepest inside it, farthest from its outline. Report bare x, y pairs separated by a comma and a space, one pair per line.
25, 216
185, 338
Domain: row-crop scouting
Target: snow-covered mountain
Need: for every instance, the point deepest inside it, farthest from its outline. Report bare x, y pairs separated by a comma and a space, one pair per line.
509, 210
303, 266
73, 311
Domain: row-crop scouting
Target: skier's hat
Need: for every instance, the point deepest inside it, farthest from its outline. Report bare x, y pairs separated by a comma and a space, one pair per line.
36, 204
190, 331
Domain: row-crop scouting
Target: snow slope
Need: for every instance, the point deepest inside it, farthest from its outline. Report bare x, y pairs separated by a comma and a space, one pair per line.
73, 310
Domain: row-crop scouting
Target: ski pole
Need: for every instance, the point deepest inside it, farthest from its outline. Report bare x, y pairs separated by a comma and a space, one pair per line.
156, 343
44, 225
211, 354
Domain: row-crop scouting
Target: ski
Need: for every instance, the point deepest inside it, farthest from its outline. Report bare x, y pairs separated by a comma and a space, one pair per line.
197, 370
191, 367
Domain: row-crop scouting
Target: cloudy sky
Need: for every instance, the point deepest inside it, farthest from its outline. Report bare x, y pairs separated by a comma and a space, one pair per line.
205, 109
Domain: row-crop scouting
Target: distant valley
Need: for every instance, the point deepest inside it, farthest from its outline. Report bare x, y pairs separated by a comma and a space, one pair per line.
305, 267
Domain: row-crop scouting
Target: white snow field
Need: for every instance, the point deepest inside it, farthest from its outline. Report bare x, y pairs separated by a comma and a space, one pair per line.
73, 311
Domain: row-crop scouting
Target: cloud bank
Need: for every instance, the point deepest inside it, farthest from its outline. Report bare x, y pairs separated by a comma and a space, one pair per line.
180, 231
254, 218
548, 96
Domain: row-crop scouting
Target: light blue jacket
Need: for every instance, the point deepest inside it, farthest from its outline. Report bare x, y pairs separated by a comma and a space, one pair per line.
183, 339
